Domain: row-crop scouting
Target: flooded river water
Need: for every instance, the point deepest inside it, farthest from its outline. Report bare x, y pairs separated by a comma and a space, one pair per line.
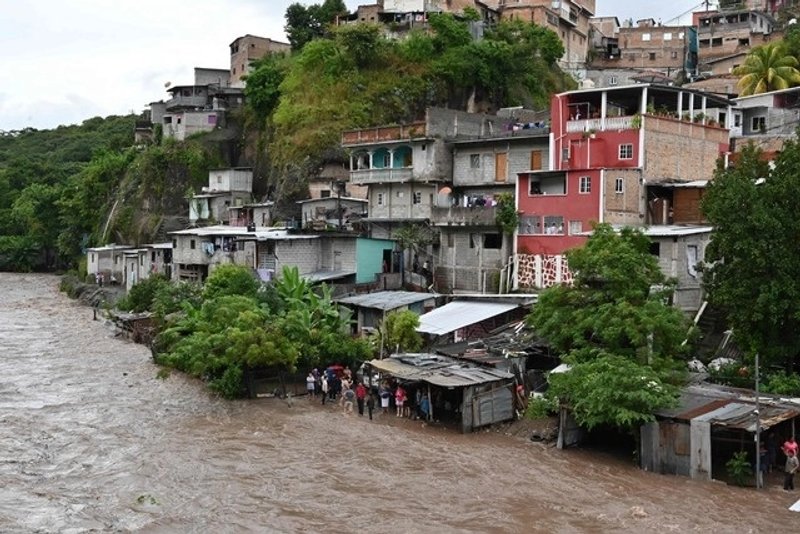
92, 441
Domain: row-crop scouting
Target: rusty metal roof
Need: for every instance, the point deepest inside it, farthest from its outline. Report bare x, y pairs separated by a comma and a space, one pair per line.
438, 370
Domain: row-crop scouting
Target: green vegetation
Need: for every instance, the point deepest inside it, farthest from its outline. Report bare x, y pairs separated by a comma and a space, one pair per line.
507, 215
541, 407
141, 296
768, 67
399, 330
739, 469
72, 187
351, 77
238, 325
615, 330
753, 263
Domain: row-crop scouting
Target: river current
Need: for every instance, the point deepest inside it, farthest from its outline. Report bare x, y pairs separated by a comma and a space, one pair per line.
93, 441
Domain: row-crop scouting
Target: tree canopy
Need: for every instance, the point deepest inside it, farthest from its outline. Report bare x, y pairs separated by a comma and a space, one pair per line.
752, 269
615, 329
768, 67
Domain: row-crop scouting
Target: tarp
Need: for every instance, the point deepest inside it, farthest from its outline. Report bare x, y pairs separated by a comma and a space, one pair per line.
459, 314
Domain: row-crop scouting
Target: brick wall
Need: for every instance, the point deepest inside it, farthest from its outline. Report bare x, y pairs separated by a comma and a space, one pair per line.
680, 150
624, 207
398, 201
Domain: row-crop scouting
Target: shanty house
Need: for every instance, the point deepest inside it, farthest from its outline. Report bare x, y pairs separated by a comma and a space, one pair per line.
710, 423
371, 308
459, 392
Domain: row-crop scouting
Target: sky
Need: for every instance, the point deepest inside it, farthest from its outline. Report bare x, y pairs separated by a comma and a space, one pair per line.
67, 61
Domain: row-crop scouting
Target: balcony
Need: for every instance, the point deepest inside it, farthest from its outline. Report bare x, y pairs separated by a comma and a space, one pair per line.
377, 176
382, 134
184, 102
599, 125
461, 216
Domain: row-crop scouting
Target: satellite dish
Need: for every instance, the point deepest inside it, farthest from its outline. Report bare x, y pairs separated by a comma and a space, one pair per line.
167, 84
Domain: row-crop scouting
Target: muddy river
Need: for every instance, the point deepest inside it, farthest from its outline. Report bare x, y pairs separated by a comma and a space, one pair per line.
92, 441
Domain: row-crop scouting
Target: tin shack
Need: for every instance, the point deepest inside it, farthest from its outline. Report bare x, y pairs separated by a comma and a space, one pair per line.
459, 392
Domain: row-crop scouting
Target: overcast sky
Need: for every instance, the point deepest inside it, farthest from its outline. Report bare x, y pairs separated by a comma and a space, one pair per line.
64, 61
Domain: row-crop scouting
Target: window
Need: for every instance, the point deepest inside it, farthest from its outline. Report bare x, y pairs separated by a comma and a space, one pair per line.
645, 37
619, 188
626, 151
680, 35
417, 199
380, 199
325, 193
668, 36
655, 249
450, 241
493, 241
530, 225
399, 194
387, 160
613, 80
141, 260
174, 243
652, 56
565, 154
554, 225
674, 54
758, 124
474, 161
692, 259
153, 256
575, 227
92, 256
472, 240
737, 120
191, 244
585, 185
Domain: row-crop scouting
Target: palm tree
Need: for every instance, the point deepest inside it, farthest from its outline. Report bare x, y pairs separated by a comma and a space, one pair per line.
767, 68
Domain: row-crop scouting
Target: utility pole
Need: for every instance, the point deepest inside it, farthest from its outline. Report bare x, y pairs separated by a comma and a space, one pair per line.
759, 481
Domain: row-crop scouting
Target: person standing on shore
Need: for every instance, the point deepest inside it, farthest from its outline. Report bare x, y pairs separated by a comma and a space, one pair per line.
399, 399
370, 405
311, 386
791, 468
361, 395
324, 388
347, 396
385, 394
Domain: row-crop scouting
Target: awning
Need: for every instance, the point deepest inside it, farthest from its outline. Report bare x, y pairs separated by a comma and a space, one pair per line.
459, 314
743, 417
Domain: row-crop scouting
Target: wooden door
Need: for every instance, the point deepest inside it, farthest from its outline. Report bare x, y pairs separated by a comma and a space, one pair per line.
500, 166
536, 160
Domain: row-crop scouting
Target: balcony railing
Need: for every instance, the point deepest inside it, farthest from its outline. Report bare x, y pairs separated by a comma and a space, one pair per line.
461, 216
373, 176
609, 123
196, 101
383, 133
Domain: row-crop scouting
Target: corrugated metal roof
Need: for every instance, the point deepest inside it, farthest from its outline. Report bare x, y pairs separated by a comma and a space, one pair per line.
321, 276
386, 300
459, 314
438, 370
743, 416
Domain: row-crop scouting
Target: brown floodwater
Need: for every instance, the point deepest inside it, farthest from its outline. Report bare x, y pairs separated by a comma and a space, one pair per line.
92, 441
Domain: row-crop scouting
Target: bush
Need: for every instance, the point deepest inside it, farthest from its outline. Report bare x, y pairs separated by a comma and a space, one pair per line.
541, 407
782, 383
230, 280
140, 298
733, 374
739, 469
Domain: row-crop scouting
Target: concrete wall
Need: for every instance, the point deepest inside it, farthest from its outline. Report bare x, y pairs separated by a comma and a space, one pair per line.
185, 123
337, 253
247, 49
465, 264
302, 253
314, 211
369, 258
653, 47
518, 156
230, 180
398, 201
674, 261
204, 76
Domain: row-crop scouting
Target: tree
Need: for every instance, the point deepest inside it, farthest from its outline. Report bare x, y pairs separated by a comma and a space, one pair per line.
752, 269
399, 331
615, 329
230, 280
304, 24
767, 68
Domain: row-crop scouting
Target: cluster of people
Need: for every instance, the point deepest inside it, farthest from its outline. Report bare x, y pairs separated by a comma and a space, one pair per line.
338, 384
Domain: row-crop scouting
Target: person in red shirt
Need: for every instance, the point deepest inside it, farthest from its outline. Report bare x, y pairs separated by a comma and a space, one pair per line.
790, 446
361, 394
399, 400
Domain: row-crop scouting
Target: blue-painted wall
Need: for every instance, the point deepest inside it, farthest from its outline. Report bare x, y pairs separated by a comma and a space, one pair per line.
369, 258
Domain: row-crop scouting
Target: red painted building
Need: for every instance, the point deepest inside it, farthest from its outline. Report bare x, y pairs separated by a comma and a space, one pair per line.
615, 156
